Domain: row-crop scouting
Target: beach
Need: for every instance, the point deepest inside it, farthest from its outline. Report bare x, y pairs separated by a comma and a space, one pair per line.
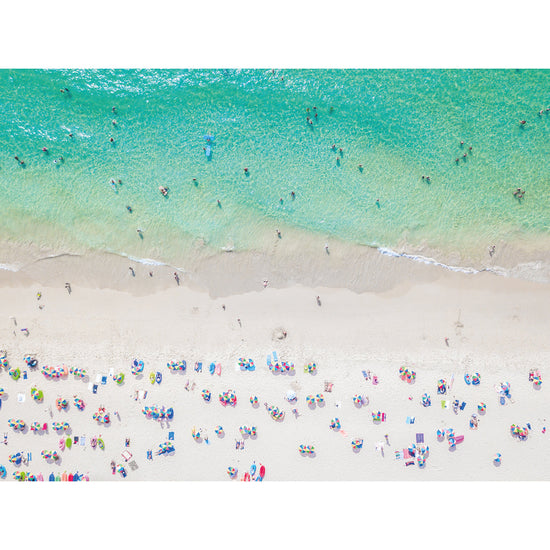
494, 326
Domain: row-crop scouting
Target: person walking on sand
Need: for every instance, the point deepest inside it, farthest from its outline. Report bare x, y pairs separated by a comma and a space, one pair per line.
176, 276
68, 287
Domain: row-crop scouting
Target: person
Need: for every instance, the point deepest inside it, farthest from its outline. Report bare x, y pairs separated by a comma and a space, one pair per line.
129, 208
522, 122
111, 139
140, 232
326, 247
278, 233
223, 307
246, 170
150, 273
266, 282
318, 301
219, 203
292, 194
113, 122
239, 321
68, 287
45, 149
176, 276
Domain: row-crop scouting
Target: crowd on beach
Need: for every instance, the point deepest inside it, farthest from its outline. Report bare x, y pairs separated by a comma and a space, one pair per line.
58, 437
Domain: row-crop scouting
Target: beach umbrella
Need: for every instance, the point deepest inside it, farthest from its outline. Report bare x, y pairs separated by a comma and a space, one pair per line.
15, 373
320, 398
253, 400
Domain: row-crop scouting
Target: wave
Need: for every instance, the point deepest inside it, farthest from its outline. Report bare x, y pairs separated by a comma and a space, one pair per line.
432, 261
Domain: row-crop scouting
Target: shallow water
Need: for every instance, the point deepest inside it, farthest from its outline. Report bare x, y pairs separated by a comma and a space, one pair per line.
399, 125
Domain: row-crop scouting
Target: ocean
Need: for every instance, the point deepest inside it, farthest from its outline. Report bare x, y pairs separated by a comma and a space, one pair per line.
404, 161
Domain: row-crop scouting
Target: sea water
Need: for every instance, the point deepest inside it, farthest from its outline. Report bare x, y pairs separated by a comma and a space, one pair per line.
355, 168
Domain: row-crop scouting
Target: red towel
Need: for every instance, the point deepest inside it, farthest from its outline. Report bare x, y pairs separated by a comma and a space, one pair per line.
406, 453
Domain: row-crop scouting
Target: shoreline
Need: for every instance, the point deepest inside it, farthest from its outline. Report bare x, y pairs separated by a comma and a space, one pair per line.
291, 260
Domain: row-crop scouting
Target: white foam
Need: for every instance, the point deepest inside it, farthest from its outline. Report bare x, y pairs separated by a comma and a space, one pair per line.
8, 267
432, 261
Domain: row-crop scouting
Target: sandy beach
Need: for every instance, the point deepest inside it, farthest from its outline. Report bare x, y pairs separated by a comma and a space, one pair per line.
443, 327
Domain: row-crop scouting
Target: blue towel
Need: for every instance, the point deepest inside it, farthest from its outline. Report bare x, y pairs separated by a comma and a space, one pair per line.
170, 436
104, 380
275, 358
212, 368
463, 405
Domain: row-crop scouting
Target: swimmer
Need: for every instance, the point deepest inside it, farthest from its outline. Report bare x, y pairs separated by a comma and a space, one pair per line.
464, 155
377, 201
293, 194
428, 178
113, 109
360, 168
281, 200
522, 122
163, 190
113, 122
70, 135
219, 203
246, 170
16, 158
45, 149
129, 208
457, 159
469, 148
111, 139
326, 247
461, 143
333, 147
132, 271
278, 233
140, 232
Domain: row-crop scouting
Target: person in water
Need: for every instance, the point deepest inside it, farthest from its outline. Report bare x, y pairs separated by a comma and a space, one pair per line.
129, 208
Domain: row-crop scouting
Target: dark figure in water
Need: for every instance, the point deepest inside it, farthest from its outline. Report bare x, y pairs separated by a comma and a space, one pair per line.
129, 208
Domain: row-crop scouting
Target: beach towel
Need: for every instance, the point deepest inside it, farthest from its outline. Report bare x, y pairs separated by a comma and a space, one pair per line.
463, 405
170, 436
275, 358
459, 439
20, 397
103, 380
420, 438
94, 389
218, 369
90, 386
406, 453
98, 379
398, 455
212, 368
383, 417
82, 440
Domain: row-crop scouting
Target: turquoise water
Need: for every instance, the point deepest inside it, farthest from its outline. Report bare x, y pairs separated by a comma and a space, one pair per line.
398, 124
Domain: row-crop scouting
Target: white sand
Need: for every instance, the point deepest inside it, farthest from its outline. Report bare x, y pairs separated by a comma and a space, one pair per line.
501, 333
